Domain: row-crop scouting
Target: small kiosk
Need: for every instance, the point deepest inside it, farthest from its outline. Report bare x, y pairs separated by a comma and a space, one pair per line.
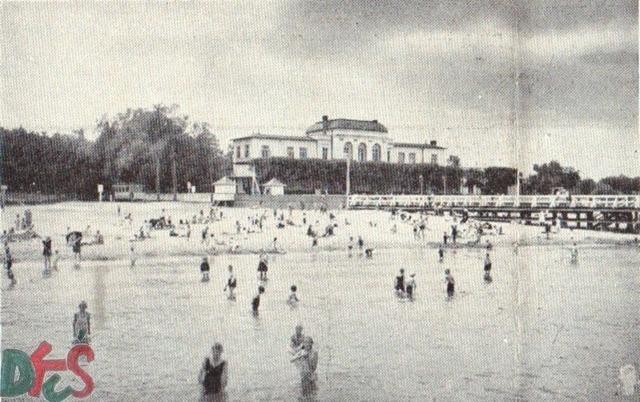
224, 191
273, 187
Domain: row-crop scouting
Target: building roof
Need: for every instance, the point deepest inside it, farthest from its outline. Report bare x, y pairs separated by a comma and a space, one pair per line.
225, 181
274, 137
348, 124
274, 183
422, 146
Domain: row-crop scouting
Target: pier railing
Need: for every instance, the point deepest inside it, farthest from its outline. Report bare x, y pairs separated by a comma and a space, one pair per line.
495, 201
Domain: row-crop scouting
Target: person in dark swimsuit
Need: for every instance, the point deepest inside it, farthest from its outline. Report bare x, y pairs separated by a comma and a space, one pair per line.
204, 269
451, 283
213, 375
255, 303
487, 263
8, 260
399, 287
46, 252
76, 247
262, 267
440, 253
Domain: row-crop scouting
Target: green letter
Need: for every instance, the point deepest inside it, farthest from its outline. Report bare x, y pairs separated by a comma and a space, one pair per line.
49, 392
13, 359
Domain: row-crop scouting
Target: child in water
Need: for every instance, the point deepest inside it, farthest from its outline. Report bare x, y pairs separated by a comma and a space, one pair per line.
293, 297
204, 269
411, 286
255, 303
451, 283
81, 324
231, 284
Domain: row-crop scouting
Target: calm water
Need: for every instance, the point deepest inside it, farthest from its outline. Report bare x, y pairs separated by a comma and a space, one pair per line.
548, 330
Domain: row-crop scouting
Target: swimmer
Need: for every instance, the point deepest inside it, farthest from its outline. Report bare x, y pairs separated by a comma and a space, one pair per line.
368, 253
262, 267
8, 263
487, 263
293, 297
307, 362
451, 283
411, 286
445, 238
204, 269
255, 302
574, 253
360, 243
132, 256
213, 375
231, 284
296, 340
399, 283
46, 253
350, 245
81, 324
77, 249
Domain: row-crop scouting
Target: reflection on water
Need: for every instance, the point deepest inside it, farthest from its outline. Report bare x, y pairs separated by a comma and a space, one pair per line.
542, 328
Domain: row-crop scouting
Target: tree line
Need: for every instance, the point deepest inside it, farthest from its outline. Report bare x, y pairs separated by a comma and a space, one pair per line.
155, 147
164, 151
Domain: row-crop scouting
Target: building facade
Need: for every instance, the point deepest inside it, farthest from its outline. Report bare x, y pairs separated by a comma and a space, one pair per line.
358, 140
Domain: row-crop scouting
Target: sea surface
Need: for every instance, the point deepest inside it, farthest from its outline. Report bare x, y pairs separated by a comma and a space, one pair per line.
544, 328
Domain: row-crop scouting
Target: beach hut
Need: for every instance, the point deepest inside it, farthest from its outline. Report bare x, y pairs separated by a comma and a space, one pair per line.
273, 187
224, 190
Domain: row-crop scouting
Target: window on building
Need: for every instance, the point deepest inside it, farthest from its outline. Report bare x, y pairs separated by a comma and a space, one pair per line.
412, 157
400, 157
303, 153
246, 151
388, 156
376, 153
434, 159
325, 153
348, 151
264, 152
290, 152
362, 152
238, 151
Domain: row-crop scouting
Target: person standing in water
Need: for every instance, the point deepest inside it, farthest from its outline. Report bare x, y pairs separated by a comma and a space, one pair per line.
307, 361
214, 375
8, 263
399, 283
451, 283
411, 286
46, 253
262, 267
204, 269
487, 264
255, 302
440, 253
81, 324
297, 339
77, 249
132, 256
231, 284
293, 296
574, 253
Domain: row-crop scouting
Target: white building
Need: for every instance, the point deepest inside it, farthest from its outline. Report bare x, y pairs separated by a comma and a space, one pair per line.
359, 140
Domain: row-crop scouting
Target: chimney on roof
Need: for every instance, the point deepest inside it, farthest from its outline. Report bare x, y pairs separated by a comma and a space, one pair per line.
325, 118
375, 121
434, 143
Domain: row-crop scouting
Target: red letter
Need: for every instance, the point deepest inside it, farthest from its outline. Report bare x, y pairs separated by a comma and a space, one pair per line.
41, 366
72, 363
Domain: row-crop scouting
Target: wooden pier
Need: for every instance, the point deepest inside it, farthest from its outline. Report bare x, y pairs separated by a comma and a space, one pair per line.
596, 212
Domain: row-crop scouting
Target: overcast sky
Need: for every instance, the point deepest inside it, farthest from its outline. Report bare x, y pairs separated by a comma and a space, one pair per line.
498, 83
